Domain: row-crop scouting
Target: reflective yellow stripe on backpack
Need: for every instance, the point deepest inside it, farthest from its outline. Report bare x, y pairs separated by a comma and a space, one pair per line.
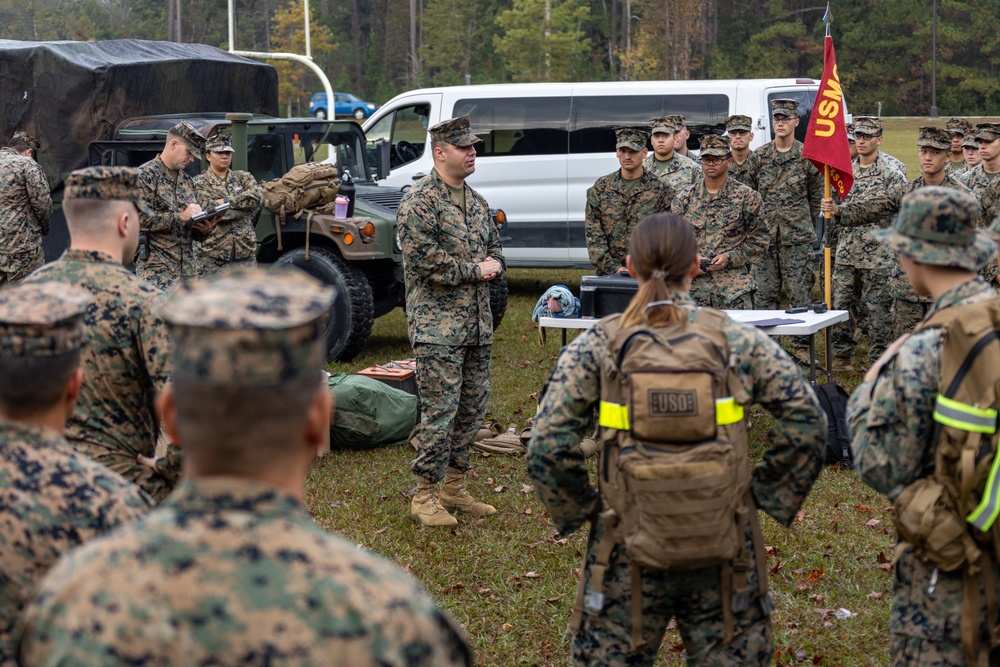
613, 415
965, 417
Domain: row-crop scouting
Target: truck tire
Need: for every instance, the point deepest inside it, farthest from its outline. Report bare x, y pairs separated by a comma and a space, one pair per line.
498, 300
352, 313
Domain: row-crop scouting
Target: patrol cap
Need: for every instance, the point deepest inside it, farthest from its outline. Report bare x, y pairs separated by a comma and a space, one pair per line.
106, 183
28, 139
42, 319
713, 144
738, 122
970, 141
870, 126
937, 225
220, 143
958, 126
662, 124
850, 132
677, 120
933, 137
784, 107
248, 328
988, 131
194, 139
631, 137
457, 132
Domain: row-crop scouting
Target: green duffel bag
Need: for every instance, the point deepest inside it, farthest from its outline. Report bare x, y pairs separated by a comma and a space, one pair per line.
369, 413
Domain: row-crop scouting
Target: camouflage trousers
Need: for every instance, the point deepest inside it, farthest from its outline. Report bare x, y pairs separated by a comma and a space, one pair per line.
161, 279
906, 315
124, 463
210, 265
692, 597
713, 293
926, 619
785, 269
453, 382
17, 267
864, 293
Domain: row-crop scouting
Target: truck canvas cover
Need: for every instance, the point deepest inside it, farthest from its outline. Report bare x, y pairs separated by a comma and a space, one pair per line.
67, 94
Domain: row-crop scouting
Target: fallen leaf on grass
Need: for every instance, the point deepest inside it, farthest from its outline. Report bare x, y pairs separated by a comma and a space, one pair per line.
532, 575
817, 659
791, 625
875, 595
823, 612
381, 530
800, 516
455, 587
506, 627
771, 551
677, 648
528, 511
499, 489
336, 504
553, 599
527, 488
871, 523
777, 566
883, 562
816, 597
534, 395
863, 508
484, 591
816, 574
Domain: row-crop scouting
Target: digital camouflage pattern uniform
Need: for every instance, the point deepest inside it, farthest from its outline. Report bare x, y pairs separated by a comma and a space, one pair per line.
231, 571
25, 208
960, 127
51, 498
728, 222
977, 179
679, 171
167, 192
894, 163
745, 172
791, 189
908, 307
615, 205
780, 484
448, 316
864, 266
892, 426
126, 357
233, 240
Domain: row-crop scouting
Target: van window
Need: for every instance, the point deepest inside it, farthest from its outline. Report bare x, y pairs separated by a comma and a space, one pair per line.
805, 99
405, 129
519, 126
594, 119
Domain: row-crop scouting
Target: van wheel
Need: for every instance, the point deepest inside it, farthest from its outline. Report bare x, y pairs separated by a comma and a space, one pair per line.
352, 313
498, 300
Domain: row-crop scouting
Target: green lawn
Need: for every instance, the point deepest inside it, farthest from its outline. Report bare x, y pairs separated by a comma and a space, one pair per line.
899, 138
510, 580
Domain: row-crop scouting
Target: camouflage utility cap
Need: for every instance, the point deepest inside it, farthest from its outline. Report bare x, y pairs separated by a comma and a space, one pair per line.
677, 120
870, 126
738, 122
630, 137
933, 137
988, 131
850, 132
785, 107
248, 328
713, 144
107, 183
958, 126
937, 225
457, 132
194, 139
662, 124
42, 319
28, 139
970, 141
220, 143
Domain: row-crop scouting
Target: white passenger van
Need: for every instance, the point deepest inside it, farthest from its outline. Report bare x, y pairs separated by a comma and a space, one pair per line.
546, 143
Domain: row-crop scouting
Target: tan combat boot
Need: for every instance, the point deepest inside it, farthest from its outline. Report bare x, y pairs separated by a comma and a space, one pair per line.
455, 497
426, 508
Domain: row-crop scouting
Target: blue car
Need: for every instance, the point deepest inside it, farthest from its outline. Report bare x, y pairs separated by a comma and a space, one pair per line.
344, 105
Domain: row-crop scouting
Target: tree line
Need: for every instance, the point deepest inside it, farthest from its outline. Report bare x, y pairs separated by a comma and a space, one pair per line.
378, 48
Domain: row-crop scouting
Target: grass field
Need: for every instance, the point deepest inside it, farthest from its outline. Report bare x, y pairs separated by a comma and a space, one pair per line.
510, 580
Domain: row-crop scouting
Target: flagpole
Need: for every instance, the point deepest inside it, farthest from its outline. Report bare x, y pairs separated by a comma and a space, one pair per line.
827, 282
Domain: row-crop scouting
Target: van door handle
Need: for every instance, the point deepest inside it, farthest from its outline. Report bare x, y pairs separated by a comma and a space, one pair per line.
417, 177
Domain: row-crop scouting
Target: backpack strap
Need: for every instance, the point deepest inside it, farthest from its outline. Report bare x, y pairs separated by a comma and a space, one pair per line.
602, 561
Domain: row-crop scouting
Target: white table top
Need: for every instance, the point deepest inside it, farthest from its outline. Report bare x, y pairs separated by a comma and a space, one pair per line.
810, 322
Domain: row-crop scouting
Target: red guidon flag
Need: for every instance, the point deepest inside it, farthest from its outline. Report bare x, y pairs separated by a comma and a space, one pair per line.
826, 134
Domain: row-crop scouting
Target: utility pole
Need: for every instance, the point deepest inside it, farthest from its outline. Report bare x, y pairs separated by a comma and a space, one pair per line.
934, 109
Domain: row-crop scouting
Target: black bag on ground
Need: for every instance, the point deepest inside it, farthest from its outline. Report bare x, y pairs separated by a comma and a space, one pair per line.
833, 398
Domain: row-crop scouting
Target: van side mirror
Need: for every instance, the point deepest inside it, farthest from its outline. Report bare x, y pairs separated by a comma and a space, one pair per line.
382, 151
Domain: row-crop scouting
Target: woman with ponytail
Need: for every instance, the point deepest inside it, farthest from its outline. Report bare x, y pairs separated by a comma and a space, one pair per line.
609, 627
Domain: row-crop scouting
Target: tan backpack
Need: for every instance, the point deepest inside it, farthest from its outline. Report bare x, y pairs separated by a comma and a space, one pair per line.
308, 185
674, 470
949, 516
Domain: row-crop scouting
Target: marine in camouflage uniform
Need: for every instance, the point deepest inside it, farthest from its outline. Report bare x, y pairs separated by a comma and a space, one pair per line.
957, 128
984, 175
863, 265
125, 360
678, 171
170, 196
791, 189
451, 250
745, 163
232, 570
52, 499
616, 202
25, 208
973, 158
908, 307
232, 240
730, 229
780, 484
892, 425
